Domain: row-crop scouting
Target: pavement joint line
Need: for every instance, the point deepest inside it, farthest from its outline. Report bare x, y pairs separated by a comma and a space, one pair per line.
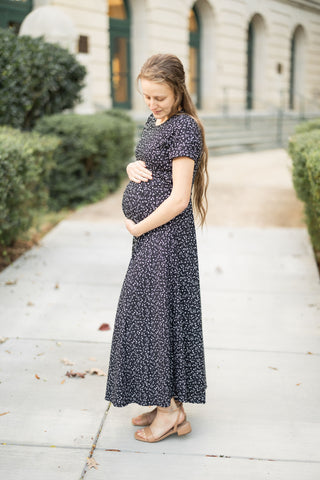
236, 457
95, 441
41, 445
100, 449
38, 339
226, 349
56, 279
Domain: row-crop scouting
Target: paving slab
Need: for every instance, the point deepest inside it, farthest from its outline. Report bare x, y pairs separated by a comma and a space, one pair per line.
69, 312
39, 462
45, 406
262, 321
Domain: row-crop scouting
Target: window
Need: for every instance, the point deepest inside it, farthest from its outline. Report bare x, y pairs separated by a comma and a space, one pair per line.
120, 53
297, 67
194, 56
256, 62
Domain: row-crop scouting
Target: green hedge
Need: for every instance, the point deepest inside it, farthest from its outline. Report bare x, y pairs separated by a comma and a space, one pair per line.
91, 159
36, 79
25, 162
308, 126
304, 149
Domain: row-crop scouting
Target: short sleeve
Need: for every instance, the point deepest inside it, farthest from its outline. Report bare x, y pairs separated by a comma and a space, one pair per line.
186, 139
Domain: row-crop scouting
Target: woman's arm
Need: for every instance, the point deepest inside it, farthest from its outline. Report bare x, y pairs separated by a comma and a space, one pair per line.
182, 173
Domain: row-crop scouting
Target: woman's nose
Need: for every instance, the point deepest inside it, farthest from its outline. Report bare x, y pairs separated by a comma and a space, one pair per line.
153, 104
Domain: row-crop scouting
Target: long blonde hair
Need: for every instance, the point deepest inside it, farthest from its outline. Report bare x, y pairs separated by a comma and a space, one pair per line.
168, 69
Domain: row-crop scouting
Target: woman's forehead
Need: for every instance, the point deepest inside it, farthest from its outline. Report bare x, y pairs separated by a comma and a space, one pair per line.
154, 89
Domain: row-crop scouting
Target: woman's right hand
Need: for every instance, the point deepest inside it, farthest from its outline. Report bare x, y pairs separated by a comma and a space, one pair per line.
137, 172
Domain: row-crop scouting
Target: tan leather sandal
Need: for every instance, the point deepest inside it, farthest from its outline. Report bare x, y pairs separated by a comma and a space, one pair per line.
147, 418
181, 429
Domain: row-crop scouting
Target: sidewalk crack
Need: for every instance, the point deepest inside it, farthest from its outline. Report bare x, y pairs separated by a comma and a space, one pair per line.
95, 441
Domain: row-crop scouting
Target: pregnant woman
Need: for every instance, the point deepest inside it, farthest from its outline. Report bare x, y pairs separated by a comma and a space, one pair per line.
157, 353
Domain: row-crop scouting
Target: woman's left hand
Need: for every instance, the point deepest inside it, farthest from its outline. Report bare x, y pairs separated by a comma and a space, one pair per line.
130, 226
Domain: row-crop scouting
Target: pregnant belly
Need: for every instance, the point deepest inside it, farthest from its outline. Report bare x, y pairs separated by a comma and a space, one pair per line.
141, 199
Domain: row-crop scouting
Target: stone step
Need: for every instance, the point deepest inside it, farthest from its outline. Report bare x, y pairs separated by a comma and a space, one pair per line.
246, 131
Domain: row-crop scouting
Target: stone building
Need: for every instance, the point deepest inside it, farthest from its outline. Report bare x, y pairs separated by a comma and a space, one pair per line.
239, 55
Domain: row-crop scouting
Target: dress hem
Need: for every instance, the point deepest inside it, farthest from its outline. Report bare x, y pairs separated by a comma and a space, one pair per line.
156, 403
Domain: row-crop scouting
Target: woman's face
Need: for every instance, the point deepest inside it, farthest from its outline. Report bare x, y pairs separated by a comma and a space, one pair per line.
159, 97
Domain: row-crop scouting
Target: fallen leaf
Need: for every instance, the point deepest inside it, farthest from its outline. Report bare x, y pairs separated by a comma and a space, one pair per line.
38, 354
63, 380
96, 371
37, 377
8, 351
298, 384
310, 353
71, 373
11, 282
3, 339
112, 450
57, 286
104, 326
92, 463
66, 361
273, 368
92, 359
4, 413
30, 304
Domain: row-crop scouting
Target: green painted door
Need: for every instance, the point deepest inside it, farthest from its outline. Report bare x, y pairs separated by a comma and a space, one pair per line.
120, 71
292, 71
13, 12
250, 66
194, 57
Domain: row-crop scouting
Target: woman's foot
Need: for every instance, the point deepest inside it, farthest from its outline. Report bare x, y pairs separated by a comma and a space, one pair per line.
148, 417
145, 418
167, 421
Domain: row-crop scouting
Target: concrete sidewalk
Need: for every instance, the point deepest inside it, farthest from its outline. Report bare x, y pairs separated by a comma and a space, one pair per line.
261, 320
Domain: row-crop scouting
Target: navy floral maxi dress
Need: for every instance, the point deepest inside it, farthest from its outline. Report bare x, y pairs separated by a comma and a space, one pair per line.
157, 349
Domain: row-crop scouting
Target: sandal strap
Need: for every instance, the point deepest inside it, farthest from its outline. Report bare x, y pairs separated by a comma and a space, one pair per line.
168, 409
149, 434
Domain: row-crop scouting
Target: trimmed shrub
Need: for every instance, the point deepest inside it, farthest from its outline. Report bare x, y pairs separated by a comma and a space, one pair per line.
37, 78
91, 159
308, 126
304, 149
25, 162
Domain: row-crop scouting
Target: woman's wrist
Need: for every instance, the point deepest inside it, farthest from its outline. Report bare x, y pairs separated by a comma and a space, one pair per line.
137, 230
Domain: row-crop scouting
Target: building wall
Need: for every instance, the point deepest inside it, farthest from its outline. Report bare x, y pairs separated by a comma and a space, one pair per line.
162, 26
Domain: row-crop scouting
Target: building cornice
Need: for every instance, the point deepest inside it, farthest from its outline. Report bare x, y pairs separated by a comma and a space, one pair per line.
311, 5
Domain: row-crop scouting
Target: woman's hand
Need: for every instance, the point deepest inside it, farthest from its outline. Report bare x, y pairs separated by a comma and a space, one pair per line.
137, 172
131, 227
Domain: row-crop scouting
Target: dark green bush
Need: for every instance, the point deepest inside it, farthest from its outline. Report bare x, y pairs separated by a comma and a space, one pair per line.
91, 158
304, 149
25, 162
36, 79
